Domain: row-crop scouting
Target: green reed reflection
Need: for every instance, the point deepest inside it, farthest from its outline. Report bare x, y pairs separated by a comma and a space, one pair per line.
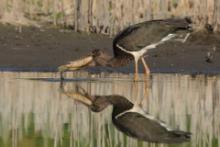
33, 113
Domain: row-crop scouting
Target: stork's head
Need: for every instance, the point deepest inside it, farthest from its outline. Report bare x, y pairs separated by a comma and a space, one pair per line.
96, 57
100, 57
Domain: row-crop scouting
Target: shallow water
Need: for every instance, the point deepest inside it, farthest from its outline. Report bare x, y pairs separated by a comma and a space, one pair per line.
34, 112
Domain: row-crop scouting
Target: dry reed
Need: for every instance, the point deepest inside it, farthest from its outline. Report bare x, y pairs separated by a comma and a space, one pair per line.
107, 16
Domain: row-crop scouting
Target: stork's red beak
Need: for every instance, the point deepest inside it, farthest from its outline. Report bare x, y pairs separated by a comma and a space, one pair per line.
77, 64
79, 95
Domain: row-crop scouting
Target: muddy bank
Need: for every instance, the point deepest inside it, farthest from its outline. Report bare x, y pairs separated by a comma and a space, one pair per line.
34, 49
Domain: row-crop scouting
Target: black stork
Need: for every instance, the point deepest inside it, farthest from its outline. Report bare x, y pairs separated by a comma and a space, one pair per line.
133, 43
131, 119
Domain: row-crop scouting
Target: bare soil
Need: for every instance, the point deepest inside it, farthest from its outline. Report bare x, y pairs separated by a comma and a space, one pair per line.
35, 49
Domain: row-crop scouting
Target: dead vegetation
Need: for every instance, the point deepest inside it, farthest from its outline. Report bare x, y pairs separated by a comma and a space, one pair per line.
107, 16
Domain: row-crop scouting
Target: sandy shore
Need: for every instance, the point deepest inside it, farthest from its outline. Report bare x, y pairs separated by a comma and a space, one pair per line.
36, 49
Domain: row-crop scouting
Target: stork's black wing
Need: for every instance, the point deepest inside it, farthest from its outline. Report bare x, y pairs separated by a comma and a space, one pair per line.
137, 36
136, 125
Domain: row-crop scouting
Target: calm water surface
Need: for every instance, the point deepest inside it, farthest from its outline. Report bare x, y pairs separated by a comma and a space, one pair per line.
34, 112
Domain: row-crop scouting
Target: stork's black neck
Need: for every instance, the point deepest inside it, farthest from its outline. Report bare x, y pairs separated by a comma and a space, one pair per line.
119, 61
120, 104
112, 61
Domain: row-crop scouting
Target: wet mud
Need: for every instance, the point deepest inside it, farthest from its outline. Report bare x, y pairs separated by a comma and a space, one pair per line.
37, 49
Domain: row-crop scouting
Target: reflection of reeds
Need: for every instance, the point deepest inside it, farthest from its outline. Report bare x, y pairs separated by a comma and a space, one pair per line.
35, 111
107, 16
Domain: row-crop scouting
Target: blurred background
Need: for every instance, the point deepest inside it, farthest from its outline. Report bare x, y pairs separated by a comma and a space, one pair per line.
34, 112
106, 16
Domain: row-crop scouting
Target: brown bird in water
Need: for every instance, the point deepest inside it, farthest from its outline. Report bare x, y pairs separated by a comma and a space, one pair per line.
133, 43
130, 118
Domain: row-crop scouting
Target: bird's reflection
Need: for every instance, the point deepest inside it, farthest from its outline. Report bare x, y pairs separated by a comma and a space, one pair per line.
129, 118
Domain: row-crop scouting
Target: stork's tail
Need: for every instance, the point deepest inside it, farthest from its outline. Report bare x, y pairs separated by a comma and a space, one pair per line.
177, 136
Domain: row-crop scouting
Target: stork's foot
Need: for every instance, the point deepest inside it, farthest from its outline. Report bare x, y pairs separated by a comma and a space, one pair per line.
136, 78
146, 72
146, 76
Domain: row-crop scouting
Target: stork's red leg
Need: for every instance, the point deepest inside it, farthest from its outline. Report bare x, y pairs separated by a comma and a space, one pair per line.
146, 68
136, 70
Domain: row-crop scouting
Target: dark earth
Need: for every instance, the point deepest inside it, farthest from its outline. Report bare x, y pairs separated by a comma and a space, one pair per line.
37, 49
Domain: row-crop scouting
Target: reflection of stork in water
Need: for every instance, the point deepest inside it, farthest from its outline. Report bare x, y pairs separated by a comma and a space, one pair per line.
133, 43
130, 119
